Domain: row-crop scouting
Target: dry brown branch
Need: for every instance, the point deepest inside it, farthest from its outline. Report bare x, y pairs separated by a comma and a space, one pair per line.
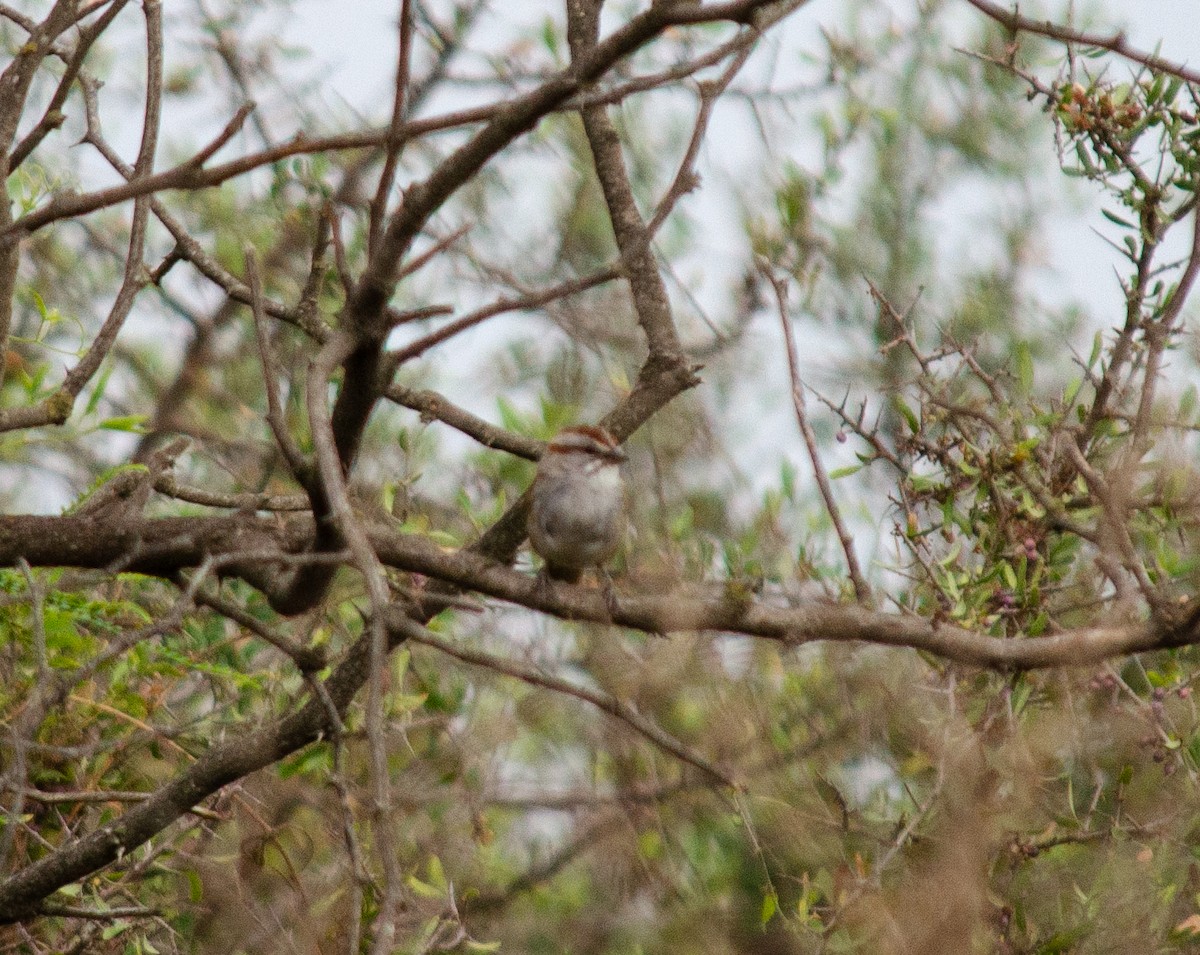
545, 870
57, 408
15, 81
1113, 42
508, 119
501, 306
275, 416
172, 544
1159, 333
435, 407
633, 238
394, 141
239, 502
606, 702
307, 659
53, 116
100, 915
862, 589
331, 473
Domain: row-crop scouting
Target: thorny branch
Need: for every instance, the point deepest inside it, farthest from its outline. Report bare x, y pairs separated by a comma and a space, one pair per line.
260, 549
1114, 42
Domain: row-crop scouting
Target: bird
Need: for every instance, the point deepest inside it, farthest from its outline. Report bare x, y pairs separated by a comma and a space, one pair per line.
578, 513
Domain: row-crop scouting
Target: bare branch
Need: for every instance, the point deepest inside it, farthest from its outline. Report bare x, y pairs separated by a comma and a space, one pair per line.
862, 589
435, 407
499, 307
332, 481
275, 417
243, 545
633, 238
602, 701
53, 116
1114, 42
394, 141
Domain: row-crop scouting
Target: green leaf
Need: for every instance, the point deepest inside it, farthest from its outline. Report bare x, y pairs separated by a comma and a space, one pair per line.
133, 423
313, 759
1071, 392
1154, 93
510, 418
1024, 360
1113, 217
424, 889
844, 472
1009, 575
98, 391
650, 844
112, 931
437, 875
1187, 404
787, 479
1173, 89
909, 415
1021, 696
550, 37
770, 905
195, 885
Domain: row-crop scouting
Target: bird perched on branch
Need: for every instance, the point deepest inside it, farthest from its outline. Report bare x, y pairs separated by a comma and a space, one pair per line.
578, 514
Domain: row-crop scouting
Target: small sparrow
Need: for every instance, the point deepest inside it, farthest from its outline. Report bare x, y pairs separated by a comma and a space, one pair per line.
578, 515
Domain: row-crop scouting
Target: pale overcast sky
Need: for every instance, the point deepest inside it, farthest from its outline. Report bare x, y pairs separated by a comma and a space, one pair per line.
369, 32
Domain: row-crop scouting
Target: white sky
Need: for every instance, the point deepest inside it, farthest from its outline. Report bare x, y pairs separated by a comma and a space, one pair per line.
370, 32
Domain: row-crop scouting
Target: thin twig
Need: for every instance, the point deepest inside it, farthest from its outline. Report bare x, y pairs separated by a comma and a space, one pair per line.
362, 878
275, 418
1116, 523
1159, 335
57, 407
602, 701
395, 139
862, 589
53, 116
25, 727
533, 300
685, 179
99, 915
553, 96
1114, 43
434, 406
231, 129
332, 478
437, 248
307, 659
166, 484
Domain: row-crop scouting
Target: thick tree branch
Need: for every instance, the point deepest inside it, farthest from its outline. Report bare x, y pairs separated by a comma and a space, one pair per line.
244, 545
650, 300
